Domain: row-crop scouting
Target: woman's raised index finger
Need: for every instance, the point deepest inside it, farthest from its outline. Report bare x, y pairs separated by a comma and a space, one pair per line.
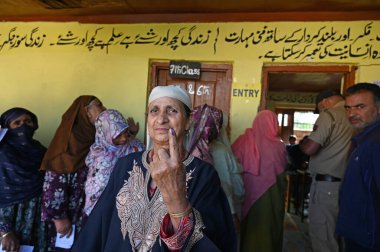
173, 146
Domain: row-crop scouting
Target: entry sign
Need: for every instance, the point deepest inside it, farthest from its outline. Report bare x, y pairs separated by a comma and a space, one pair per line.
185, 69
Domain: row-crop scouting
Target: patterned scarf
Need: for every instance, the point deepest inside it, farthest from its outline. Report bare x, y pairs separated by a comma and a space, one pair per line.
104, 154
207, 122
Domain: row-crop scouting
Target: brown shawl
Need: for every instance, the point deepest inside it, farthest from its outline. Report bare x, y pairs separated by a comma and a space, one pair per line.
72, 140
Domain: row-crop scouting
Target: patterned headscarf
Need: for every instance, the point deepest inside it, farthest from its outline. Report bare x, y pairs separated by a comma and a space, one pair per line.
262, 153
207, 121
104, 154
72, 140
20, 159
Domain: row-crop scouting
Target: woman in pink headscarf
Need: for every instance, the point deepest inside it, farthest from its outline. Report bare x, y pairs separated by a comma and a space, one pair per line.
262, 153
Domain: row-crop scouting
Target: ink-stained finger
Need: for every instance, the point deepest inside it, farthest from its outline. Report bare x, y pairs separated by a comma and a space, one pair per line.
173, 145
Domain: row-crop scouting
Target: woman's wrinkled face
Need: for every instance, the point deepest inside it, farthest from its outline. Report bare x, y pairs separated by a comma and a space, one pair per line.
19, 121
165, 113
94, 109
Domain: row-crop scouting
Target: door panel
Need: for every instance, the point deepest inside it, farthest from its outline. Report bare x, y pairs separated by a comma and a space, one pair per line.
204, 93
213, 88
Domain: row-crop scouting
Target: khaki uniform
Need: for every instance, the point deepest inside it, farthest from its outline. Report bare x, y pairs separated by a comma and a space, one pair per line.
333, 132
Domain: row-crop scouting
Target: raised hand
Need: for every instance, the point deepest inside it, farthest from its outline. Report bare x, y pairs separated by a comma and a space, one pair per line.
133, 127
169, 175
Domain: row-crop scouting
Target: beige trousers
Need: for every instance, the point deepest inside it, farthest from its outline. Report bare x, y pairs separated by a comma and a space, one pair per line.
323, 212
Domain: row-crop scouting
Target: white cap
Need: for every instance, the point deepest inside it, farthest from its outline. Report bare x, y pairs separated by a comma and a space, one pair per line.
175, 92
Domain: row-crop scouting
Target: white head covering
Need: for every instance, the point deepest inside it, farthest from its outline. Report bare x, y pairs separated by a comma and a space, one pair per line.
175, 92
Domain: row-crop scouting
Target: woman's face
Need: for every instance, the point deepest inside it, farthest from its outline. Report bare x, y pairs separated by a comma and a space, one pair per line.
19, 121
165, 113
94, 109
122, 138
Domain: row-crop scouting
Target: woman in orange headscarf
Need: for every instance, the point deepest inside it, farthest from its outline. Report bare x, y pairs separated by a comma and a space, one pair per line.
262, 153
66, 171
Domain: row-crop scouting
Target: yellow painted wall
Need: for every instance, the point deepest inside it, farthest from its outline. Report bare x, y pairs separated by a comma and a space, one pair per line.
44, 66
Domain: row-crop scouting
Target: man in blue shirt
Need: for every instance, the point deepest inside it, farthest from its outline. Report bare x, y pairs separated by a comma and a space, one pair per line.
359, 205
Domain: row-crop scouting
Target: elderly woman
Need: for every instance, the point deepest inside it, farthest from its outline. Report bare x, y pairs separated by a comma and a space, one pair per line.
162, 199
66, 171
20, 182
113, 140
263, 156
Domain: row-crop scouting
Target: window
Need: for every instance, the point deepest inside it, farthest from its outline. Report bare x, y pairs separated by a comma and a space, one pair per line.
304, 121
282, 122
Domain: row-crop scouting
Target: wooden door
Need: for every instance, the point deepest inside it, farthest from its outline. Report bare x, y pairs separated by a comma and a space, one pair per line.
213, 88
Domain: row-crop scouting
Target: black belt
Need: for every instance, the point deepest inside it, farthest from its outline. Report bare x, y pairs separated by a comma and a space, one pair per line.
325, 177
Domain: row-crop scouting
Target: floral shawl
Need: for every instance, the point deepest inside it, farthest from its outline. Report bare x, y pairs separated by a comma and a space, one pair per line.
104, 154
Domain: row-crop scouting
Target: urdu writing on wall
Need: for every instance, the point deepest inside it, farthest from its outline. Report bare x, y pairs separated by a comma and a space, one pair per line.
301, 43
